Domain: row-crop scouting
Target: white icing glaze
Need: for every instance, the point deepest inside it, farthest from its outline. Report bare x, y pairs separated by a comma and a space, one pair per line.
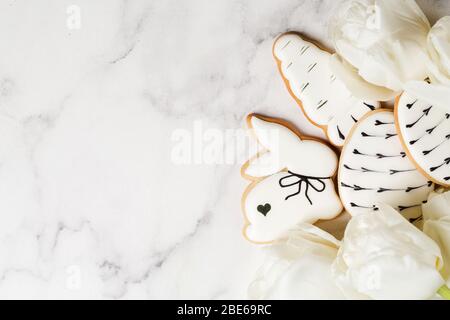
286, 214
436, 94
425, 130
374, 169
300, 188
287, 148
325, 99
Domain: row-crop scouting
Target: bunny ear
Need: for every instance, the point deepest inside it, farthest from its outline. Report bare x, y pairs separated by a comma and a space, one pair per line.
263, 165
273, 136
288, 150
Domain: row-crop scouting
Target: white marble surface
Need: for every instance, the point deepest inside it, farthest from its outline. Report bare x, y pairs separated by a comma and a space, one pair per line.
91, 204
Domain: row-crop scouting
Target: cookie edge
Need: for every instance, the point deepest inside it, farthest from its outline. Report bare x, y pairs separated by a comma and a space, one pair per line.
256, 180
406, 149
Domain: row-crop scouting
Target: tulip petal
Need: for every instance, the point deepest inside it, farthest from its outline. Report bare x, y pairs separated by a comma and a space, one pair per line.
298, 267
439, 51
383, 256
436, 213
356, 84
382, 40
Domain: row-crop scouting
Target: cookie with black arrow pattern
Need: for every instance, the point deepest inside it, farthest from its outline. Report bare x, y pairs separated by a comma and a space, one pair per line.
375, 169
424, 130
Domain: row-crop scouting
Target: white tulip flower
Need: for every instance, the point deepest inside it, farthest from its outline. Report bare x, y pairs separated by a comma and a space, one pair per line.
380, 45
438, 64
383, 256
299, 268
436, 215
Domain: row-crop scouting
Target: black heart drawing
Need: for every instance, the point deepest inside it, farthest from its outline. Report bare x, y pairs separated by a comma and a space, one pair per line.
264, 209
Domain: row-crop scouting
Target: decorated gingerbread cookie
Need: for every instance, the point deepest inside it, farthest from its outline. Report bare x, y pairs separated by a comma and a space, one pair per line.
291, 181
374, 169
425, 132
323, 98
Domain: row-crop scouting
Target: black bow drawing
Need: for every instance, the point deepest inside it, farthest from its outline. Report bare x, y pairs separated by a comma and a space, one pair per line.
299, 181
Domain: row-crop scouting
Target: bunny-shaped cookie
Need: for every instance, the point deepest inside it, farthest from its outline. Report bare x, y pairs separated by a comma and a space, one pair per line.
292, 181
